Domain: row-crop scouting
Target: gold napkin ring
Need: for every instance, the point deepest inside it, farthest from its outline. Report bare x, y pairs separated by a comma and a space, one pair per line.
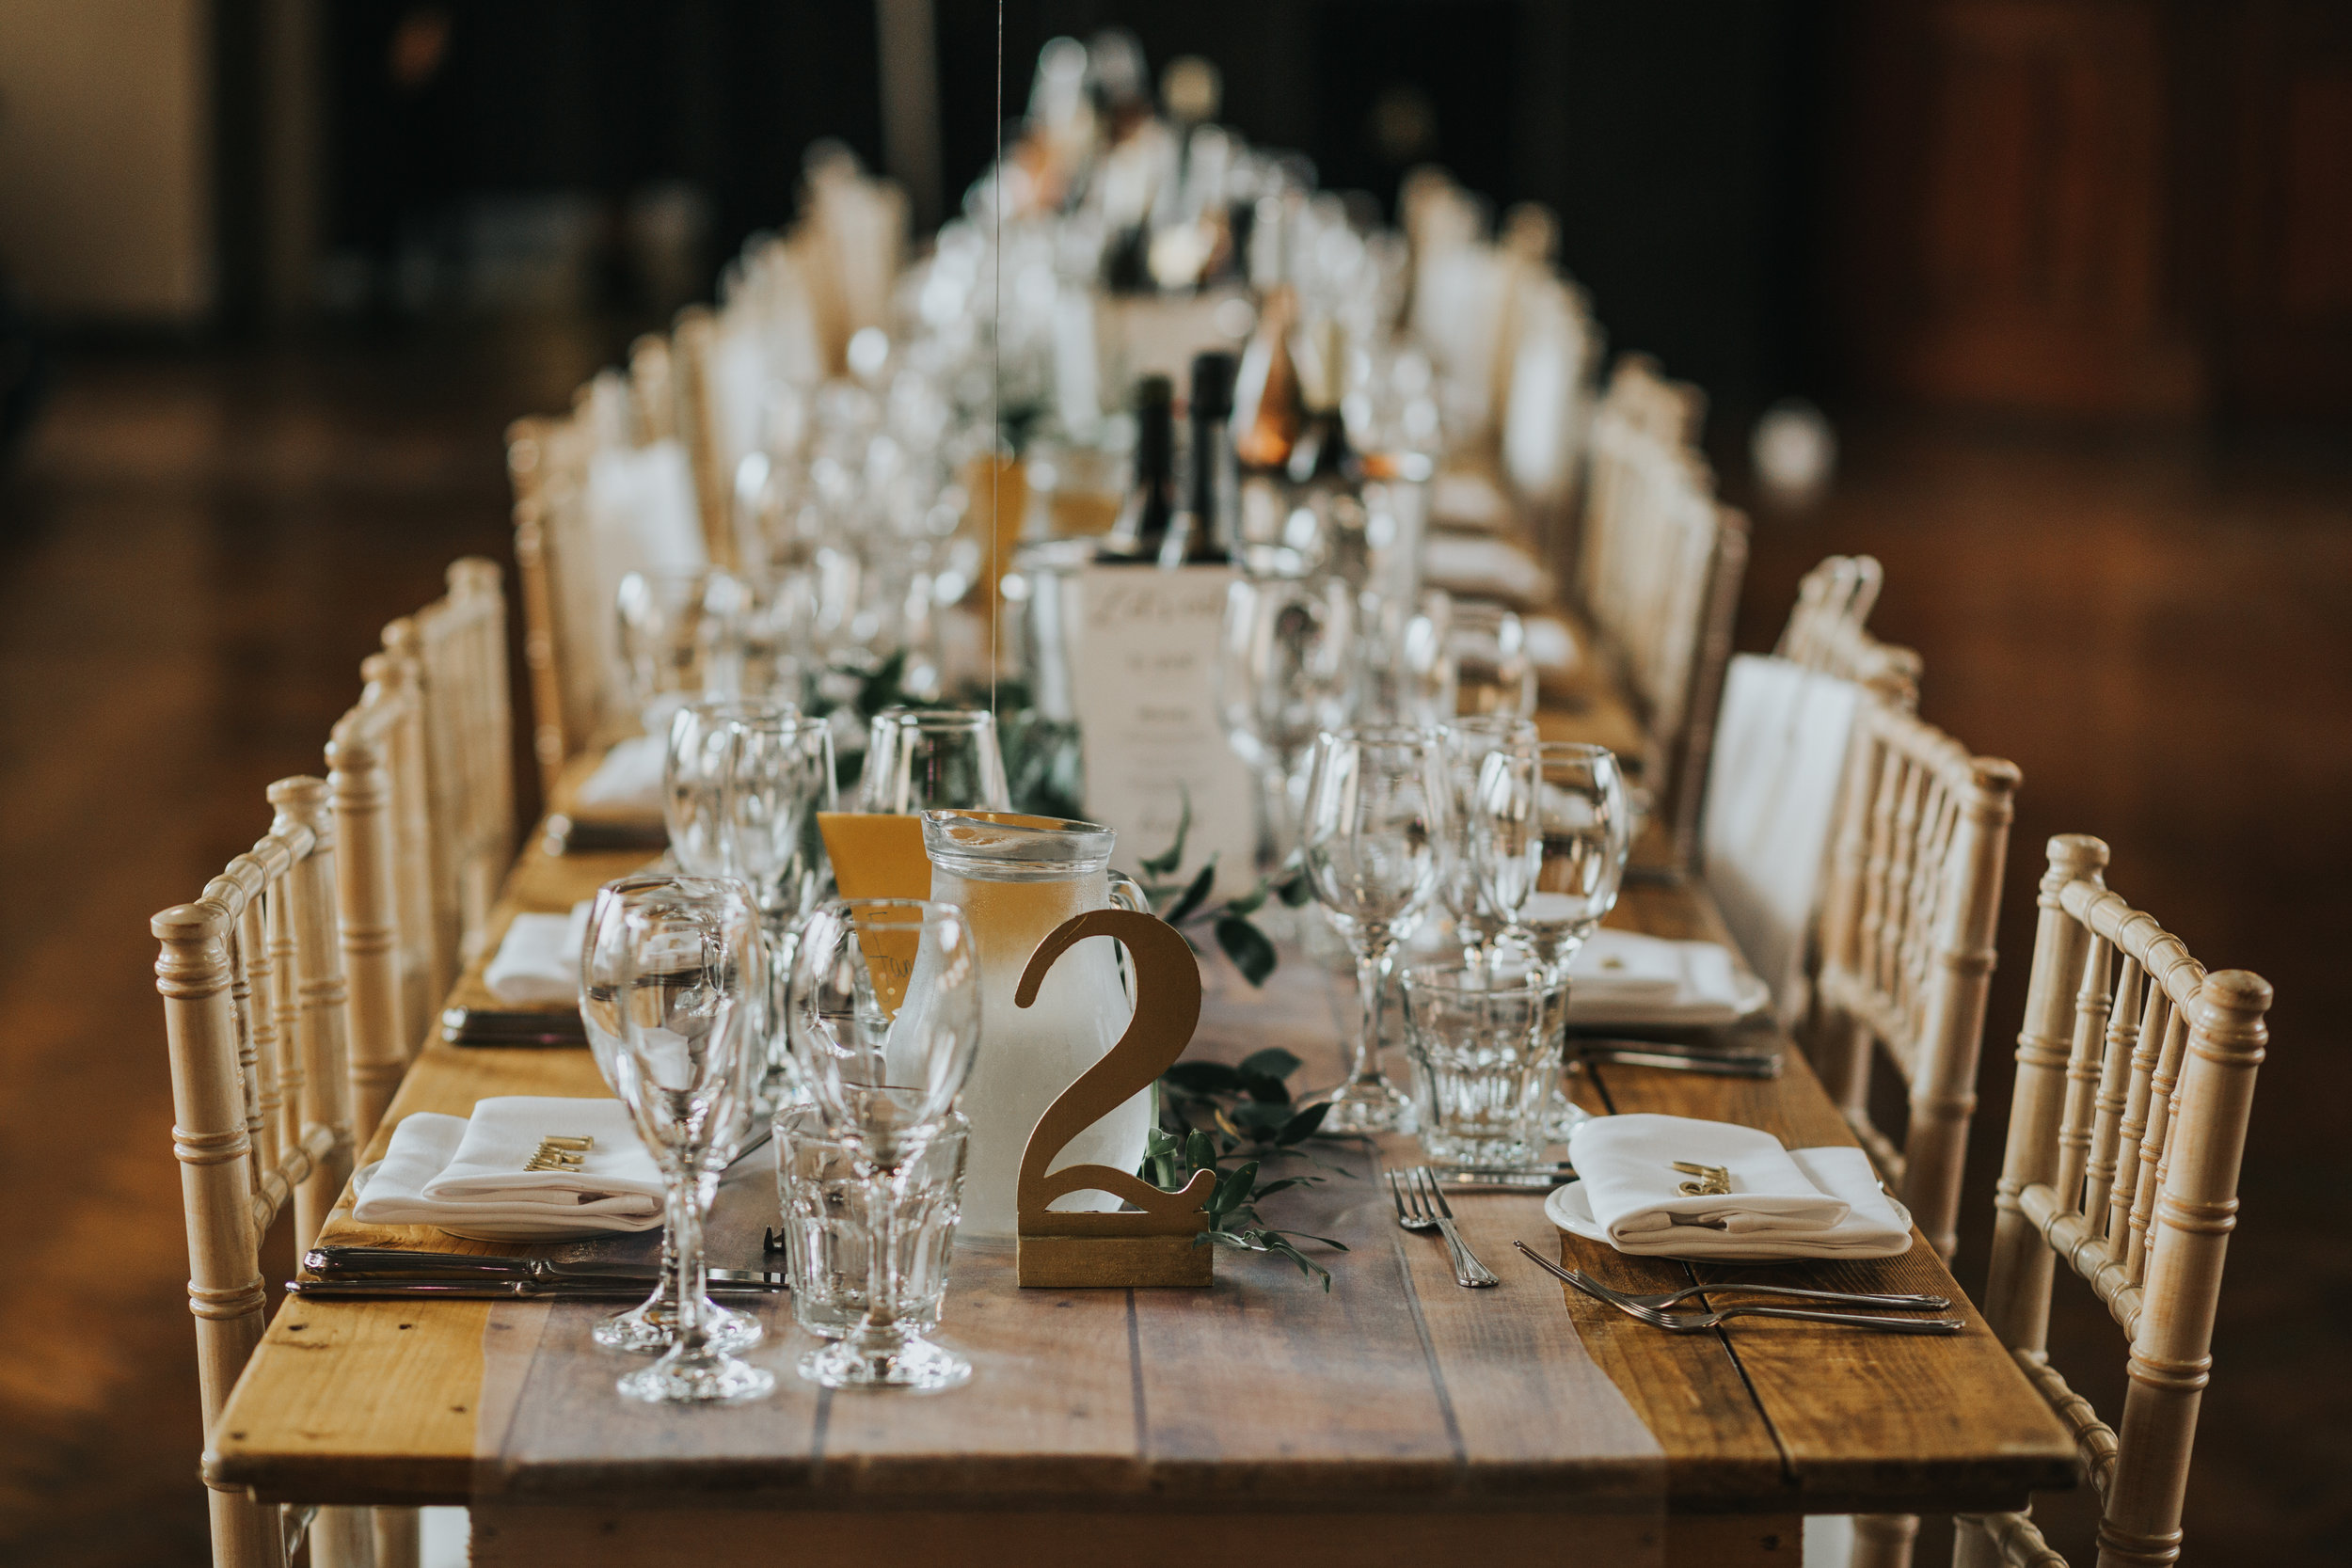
1713, 1180
561, 1153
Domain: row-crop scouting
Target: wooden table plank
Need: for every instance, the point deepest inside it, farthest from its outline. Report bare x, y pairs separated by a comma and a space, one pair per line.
374, 1402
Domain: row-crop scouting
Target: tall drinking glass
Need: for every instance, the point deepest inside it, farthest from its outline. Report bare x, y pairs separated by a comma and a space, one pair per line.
933, 759
1468, 742
1375, 816
885, 1020
1285, 671
1550, 836
671, 975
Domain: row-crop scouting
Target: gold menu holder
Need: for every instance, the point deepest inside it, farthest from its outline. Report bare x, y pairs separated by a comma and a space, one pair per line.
1152, 1242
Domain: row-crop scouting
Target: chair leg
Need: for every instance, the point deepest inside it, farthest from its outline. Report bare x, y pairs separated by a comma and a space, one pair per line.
1883, 1540
396, 1538
246, 1534
343, 1538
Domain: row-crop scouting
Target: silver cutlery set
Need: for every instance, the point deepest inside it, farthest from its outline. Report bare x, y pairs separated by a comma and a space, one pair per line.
379, 1272
1419, 1194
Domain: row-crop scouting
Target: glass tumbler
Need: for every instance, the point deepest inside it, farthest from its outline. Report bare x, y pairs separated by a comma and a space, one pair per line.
828, 1231
1484, 1042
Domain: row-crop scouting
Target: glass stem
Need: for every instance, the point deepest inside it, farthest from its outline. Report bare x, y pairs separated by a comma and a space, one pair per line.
877, 1335
1371, 970
688, 1271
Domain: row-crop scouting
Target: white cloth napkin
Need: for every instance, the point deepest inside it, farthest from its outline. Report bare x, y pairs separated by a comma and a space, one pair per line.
1783, 1203
537, 964
1474, 566
1628, 979
465, 1175
629, 777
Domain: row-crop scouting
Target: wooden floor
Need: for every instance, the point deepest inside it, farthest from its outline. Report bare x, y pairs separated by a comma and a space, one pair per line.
196, 551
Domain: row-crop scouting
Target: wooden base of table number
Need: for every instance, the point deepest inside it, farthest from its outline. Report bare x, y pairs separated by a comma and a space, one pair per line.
1150, 1242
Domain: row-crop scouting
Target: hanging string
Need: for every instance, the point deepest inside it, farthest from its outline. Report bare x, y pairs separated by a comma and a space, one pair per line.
996, 380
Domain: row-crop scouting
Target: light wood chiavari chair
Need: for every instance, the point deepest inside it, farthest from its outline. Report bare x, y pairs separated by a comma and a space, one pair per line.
2135, 1080
1660, 561
1825, 630
1907, 927
254, 1006
455, 650
376, 774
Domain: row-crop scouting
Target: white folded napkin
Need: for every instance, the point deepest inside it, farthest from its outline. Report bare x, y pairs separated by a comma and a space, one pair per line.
1551, 644
1783, 1203
1627, 978
465, 1175
537, 964
629, 777
1475, 567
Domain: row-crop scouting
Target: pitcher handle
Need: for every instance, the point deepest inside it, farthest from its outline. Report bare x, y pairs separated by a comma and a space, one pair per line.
1127, 894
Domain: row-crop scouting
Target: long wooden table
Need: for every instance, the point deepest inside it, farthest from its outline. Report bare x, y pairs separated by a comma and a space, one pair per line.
1760, 1422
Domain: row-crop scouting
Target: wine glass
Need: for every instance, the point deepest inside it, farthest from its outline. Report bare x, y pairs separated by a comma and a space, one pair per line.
1407, 665
1493, 672
1285, 671
886, 1022
933, 759
670, 990
1549, 836
695, 773
681, 637
1375, 816
1468, 742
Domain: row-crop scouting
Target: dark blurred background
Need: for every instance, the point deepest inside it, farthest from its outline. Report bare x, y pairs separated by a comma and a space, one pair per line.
2072, 278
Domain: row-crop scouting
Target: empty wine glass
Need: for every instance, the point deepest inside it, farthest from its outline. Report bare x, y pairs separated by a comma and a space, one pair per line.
695, 773
1493, 672
681, 637
1549, 838
933, 759
671, 977
1285, 671
1468, 742
886, 1022
1408, 663
1375, 816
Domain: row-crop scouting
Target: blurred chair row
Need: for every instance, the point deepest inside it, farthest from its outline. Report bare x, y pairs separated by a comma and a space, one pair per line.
303, 980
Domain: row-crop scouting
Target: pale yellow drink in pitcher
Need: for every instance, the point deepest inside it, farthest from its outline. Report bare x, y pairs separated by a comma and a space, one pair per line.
1017, 879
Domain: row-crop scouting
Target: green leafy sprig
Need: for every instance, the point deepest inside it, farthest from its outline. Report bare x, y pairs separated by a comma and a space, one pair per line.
1234, 1120
1182, 903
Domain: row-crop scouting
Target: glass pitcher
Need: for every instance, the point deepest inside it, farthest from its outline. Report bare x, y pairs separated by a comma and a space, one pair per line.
1016, 879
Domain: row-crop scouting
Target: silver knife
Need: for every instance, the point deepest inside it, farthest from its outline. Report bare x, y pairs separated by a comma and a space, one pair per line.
618, 1288
343, 1263
1672, 1057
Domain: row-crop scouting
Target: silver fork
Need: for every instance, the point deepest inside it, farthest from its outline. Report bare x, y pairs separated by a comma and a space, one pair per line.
1844, 1298
1692, 1323
1416, 1210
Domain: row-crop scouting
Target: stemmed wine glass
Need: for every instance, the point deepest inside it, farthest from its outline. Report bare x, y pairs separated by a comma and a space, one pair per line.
1285, 671
670, 989
1549, 836
1493, 670
886, 1020
680, 638
933, 759
1376, 814
1468, 742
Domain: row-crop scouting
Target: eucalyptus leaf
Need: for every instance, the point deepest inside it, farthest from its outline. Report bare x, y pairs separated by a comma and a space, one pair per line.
1248, 947
1273, 1062
1195, 895
1166, 863
1302, 1126
1204, 1078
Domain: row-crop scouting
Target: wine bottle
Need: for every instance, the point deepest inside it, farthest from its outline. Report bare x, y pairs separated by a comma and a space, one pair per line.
1142, 528
1208, 526
1321, 451
1266, 411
